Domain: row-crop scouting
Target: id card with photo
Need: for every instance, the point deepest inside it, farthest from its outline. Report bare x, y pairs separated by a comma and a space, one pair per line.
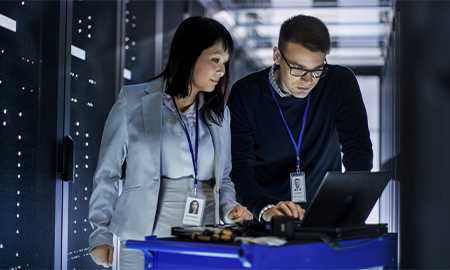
193, 211
298, 187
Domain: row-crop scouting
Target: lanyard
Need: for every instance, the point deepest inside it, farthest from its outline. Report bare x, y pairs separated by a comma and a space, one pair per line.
194, 155
298, 145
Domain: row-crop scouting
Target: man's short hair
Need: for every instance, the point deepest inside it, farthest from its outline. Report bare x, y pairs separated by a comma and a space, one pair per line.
307, 31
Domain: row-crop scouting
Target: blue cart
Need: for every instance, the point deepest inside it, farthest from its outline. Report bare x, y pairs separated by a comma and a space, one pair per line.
353, 254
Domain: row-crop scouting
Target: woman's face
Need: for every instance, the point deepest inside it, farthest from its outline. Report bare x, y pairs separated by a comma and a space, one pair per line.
209, 68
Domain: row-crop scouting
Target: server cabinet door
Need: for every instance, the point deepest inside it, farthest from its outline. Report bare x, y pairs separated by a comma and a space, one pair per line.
140, 41
95, 73
29, 42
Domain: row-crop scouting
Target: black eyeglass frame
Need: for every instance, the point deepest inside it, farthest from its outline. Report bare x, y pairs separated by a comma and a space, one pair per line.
305, 72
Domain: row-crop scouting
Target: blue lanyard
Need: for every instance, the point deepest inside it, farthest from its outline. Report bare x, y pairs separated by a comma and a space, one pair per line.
298, 145
194, 155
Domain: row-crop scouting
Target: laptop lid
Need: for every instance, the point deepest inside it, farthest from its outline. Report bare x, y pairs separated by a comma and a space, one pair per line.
345, 198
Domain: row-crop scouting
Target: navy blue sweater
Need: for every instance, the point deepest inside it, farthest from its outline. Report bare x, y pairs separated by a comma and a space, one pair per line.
262, 153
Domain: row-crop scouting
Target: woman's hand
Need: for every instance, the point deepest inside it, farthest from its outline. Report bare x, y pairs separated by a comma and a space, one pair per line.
239, 214
103, 255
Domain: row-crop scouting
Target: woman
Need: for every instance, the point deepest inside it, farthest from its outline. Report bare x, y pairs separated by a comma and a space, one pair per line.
174, 134
193, 207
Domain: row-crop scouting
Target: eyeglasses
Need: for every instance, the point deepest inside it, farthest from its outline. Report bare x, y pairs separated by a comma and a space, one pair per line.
301, 72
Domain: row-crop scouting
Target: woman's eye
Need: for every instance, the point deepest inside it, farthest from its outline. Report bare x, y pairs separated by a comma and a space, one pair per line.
216, 60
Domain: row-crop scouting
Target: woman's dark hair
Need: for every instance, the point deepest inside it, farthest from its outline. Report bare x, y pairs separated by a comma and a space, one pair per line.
194, 35
308, 31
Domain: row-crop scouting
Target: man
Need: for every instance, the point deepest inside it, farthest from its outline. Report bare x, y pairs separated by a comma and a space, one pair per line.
290, 122
297, 184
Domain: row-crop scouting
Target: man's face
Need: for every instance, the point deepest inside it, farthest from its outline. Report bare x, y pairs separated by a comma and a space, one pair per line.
194, 205
298, 57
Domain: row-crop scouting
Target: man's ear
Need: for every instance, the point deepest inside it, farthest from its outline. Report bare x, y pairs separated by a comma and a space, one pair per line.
276, 56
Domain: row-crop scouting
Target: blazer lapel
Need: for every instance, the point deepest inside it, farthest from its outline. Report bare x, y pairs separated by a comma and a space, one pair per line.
215, 133
151, 115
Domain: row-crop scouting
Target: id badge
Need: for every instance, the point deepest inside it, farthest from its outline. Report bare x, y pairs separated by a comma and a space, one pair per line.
298, 187
193, 211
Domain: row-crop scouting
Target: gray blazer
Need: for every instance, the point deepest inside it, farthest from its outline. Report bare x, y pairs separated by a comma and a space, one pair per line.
132, 132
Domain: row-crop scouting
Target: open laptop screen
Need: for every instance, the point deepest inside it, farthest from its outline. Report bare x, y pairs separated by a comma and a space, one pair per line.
345, 198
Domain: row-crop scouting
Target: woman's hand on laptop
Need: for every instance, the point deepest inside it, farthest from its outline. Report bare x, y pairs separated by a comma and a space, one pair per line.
240, 214
284, 208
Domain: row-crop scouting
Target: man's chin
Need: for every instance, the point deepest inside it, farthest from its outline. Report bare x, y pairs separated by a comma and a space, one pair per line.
300, 94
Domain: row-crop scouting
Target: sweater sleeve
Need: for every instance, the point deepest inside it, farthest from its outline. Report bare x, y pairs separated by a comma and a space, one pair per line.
352, 126
248, 191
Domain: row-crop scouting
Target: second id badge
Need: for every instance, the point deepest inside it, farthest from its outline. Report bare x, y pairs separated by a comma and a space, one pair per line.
298, 187
193, 211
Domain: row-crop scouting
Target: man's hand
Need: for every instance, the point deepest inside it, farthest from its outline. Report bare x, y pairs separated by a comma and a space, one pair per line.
103, 255
284, 208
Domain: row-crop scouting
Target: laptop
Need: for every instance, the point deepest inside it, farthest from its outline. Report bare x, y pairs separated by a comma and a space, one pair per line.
345, 198
340, 205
